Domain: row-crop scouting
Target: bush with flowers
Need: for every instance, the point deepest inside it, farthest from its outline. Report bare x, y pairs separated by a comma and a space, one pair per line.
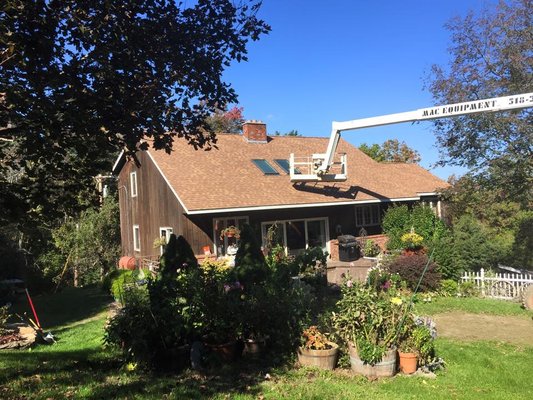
369, 318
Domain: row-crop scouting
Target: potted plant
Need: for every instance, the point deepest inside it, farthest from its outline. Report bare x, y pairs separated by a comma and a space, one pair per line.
230, 231
370, 249
368, 319
316, 350
416, 345
408, 355
412, 242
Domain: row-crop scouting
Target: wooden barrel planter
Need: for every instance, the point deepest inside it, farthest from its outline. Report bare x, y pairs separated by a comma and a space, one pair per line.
325, 359
385, 368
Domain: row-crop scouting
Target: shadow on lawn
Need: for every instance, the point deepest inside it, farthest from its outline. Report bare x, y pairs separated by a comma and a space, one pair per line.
68, 306
98, 374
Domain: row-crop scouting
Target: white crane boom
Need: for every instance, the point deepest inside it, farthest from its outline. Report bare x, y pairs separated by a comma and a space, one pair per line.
318, 167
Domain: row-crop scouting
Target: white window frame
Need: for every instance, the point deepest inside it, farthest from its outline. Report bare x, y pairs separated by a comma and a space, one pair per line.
168, 231
136, 238
133, 183
377, 206
225, 222
284, 221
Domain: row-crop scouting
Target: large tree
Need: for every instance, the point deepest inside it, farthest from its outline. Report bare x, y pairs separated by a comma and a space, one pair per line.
82, 79
491, 55
391, 151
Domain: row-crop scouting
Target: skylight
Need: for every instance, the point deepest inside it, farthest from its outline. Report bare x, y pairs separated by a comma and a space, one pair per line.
265, 167
285, 166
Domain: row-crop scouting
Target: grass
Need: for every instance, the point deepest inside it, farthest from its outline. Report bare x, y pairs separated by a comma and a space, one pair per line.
474, 305
78, 367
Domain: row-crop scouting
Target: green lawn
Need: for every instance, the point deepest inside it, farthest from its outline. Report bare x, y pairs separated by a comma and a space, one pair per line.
78, 367
472, 305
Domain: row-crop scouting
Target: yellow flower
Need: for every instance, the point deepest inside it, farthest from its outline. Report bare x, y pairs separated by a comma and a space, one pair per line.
396, 300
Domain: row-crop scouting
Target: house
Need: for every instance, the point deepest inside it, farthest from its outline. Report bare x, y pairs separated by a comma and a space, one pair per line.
197, 193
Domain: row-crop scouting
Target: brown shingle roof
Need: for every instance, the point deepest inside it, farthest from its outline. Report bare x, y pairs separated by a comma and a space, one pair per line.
227, 178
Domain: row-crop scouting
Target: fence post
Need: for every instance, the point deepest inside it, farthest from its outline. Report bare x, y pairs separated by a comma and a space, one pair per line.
482, 277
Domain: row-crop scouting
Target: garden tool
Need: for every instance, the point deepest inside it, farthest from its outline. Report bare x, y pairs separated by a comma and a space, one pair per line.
46, 337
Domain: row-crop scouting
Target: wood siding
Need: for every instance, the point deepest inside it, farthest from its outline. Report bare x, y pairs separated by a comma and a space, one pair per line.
154, 207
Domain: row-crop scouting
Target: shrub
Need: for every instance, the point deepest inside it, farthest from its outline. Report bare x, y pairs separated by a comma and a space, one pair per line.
396, 222
134, 330
473, 244
311, 261
121, 278
158, 320
522, 249
448, 288
4, 316
410, 268
467, 289
250, 264
445, 256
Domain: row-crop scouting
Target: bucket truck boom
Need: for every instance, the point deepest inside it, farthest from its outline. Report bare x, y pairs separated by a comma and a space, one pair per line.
319, 166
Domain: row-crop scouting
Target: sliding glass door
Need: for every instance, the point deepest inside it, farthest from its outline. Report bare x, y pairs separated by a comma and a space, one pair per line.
296, 235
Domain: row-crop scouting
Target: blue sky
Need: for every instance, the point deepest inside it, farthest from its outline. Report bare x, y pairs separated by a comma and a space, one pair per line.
342, 60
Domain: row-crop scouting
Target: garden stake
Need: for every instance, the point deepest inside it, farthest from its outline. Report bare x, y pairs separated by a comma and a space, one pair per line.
48, 337
410, 305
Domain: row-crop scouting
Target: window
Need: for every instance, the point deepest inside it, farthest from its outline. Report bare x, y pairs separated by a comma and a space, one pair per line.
285, 166
222, 244
133, 184
136, 238
265, 167
296, 235
164, 235
368, 215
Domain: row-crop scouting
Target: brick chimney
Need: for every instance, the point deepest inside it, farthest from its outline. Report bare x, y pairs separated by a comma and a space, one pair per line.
255, 131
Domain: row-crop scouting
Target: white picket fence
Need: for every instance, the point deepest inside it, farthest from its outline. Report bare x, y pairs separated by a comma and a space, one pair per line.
499, 286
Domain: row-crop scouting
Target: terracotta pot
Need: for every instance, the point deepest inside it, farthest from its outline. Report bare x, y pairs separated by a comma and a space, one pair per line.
385, 368
408, 362
325, 359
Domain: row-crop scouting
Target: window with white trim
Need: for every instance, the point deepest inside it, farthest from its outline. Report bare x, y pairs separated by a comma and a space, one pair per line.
133, 184
164, 236
368, 215
136, 238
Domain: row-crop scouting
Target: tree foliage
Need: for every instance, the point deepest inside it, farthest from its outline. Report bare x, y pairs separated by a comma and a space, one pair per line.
502, 222
391, 151
490, 56
226, 121
81, 79
84, 249
292, 132
250, 264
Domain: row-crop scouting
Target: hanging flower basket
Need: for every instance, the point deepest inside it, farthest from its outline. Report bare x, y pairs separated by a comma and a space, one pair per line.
230, 231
